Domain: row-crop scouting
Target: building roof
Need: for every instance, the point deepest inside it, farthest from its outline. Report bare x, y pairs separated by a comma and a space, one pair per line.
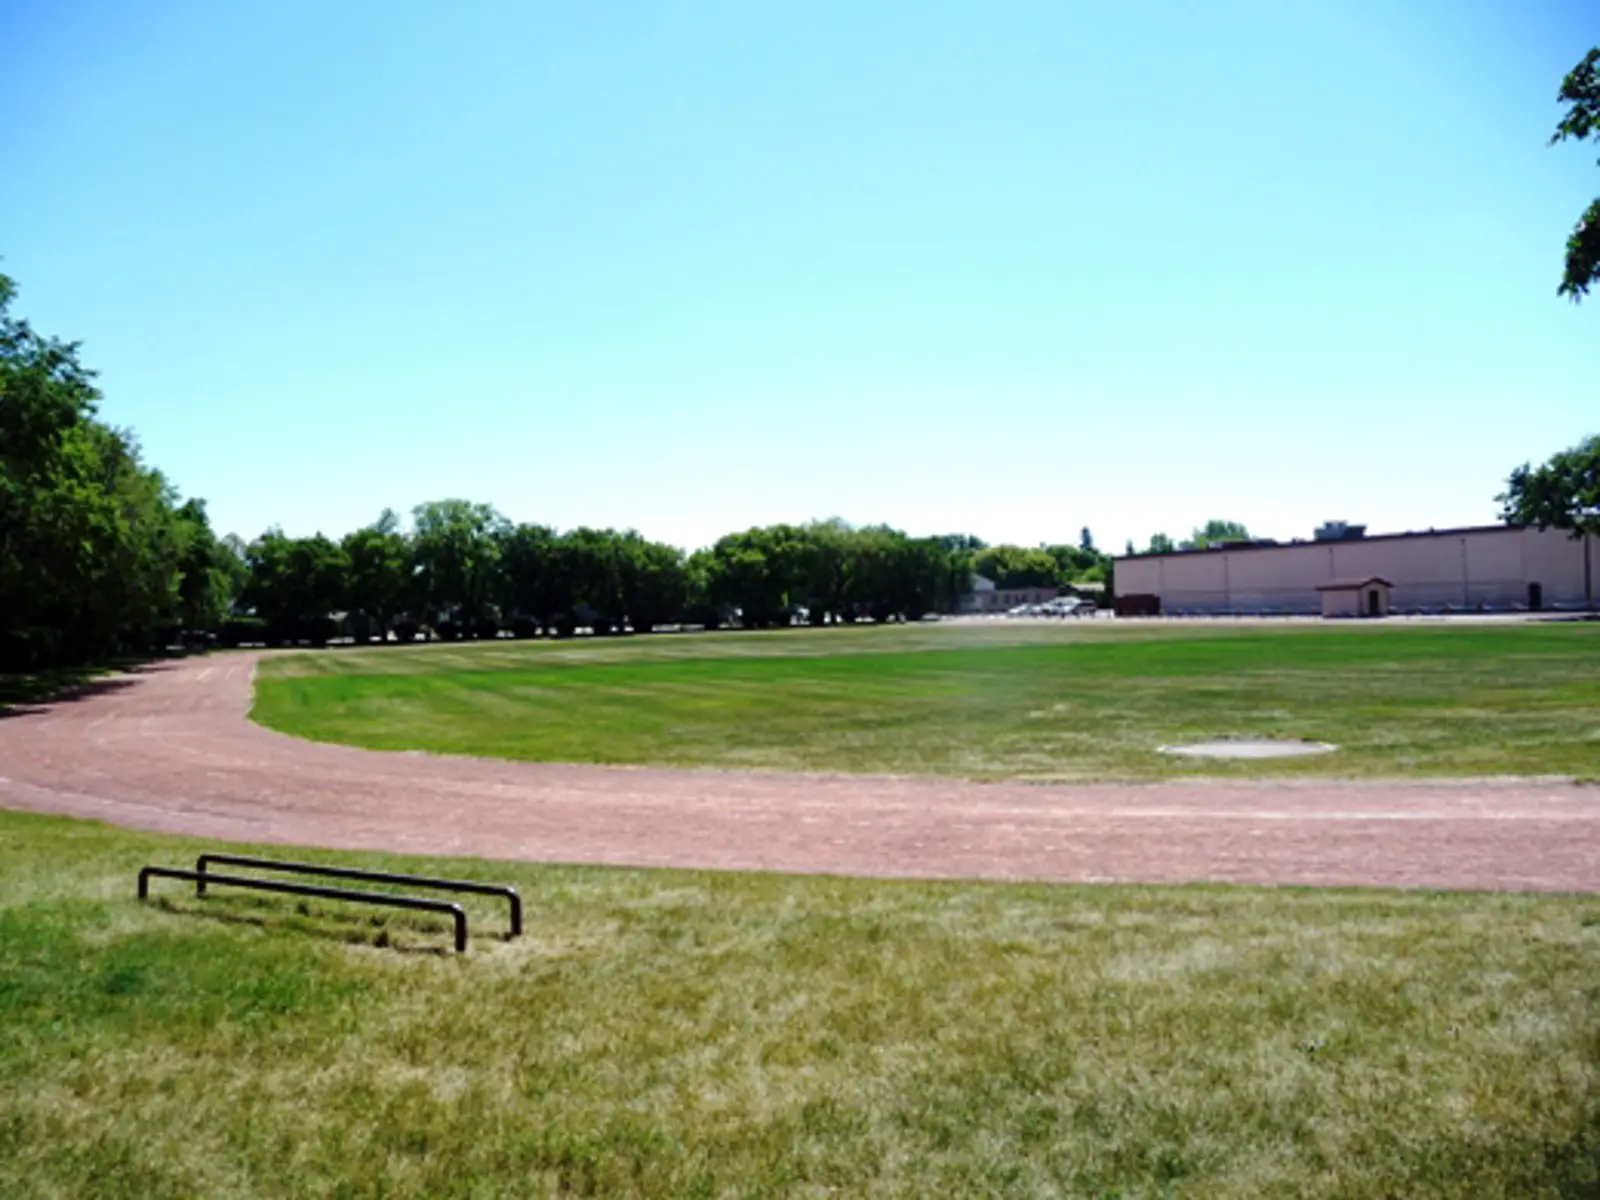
1352, 585
1268, 544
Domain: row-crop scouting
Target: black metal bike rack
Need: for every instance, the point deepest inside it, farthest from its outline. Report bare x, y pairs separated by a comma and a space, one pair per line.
466, 886
454, 911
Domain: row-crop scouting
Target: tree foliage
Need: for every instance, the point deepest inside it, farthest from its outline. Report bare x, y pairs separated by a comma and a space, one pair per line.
1017, 567
1050, 566
1580, 91
97, 556
455, 545
1563, 493
1213, 533
827, 572
100, 555
378, 577
295, 585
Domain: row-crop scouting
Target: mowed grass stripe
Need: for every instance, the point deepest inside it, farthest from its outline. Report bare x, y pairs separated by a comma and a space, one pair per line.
1089, 704
704, 1034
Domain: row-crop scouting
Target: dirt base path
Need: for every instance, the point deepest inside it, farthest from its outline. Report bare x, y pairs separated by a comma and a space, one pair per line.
169, 748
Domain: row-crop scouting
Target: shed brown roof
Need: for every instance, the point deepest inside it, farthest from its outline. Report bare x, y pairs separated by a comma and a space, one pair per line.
1350, 585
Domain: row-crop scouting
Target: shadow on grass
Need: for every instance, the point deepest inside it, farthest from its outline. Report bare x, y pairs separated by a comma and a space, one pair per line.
348, 928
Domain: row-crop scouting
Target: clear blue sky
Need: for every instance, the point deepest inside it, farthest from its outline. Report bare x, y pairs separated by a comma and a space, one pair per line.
1010, 269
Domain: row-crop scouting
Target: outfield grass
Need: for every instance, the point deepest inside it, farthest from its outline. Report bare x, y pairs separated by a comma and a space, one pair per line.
678, 1033
1076, 701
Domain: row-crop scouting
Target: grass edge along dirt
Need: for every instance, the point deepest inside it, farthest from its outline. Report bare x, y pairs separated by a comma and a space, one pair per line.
695, 1033
989, 701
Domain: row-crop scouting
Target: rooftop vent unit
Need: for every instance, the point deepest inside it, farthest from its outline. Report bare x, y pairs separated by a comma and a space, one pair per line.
1339, 531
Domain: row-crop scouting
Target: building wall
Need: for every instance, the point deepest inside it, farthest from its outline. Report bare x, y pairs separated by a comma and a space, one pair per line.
1343, 603
1452, 570
980, 598
1008, 598
999, 600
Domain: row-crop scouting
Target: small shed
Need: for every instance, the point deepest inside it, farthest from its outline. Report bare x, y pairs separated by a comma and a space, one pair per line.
1367, 597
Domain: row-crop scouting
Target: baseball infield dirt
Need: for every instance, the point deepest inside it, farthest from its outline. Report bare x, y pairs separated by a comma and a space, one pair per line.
170, 748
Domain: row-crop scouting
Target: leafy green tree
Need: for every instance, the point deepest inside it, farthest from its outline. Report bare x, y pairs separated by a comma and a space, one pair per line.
1075, 564
206, 575
873, 573
651, 581
958, 552
1580, 90
54, 511
233, 560
1214, 532
700, 605
1017, 567
1160, 543
296, 585
1563, 493
960, 543
92, 546
378, 579
531, 596
456, 547
589, 576
760, 574
823, 570
936, 578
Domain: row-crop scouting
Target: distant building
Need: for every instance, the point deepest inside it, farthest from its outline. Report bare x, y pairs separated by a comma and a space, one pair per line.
1486, 568
986, 597
1355, 597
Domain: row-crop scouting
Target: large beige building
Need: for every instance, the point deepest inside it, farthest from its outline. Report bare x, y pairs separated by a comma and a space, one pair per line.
1489, 568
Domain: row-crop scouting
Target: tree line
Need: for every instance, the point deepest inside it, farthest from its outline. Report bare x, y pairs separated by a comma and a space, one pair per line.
464, 570
100, 556
1213, 533
468, 572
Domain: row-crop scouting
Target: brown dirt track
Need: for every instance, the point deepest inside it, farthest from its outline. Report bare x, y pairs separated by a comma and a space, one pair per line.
169, 748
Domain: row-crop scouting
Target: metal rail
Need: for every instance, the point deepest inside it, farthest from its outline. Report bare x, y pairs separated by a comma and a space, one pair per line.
471, 886
454, 911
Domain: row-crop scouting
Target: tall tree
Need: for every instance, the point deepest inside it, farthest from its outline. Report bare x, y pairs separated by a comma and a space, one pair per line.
589, 574
378, 576
91, 543
296, 585
1017, 567
1563, 493
233, 555
760, 574
651, 581
823, 570
206, 582
531, 598
1580, 90
456, 545
1075, 564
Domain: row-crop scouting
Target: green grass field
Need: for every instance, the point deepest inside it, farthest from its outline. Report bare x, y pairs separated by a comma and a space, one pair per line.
677, 1033
1069, 702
